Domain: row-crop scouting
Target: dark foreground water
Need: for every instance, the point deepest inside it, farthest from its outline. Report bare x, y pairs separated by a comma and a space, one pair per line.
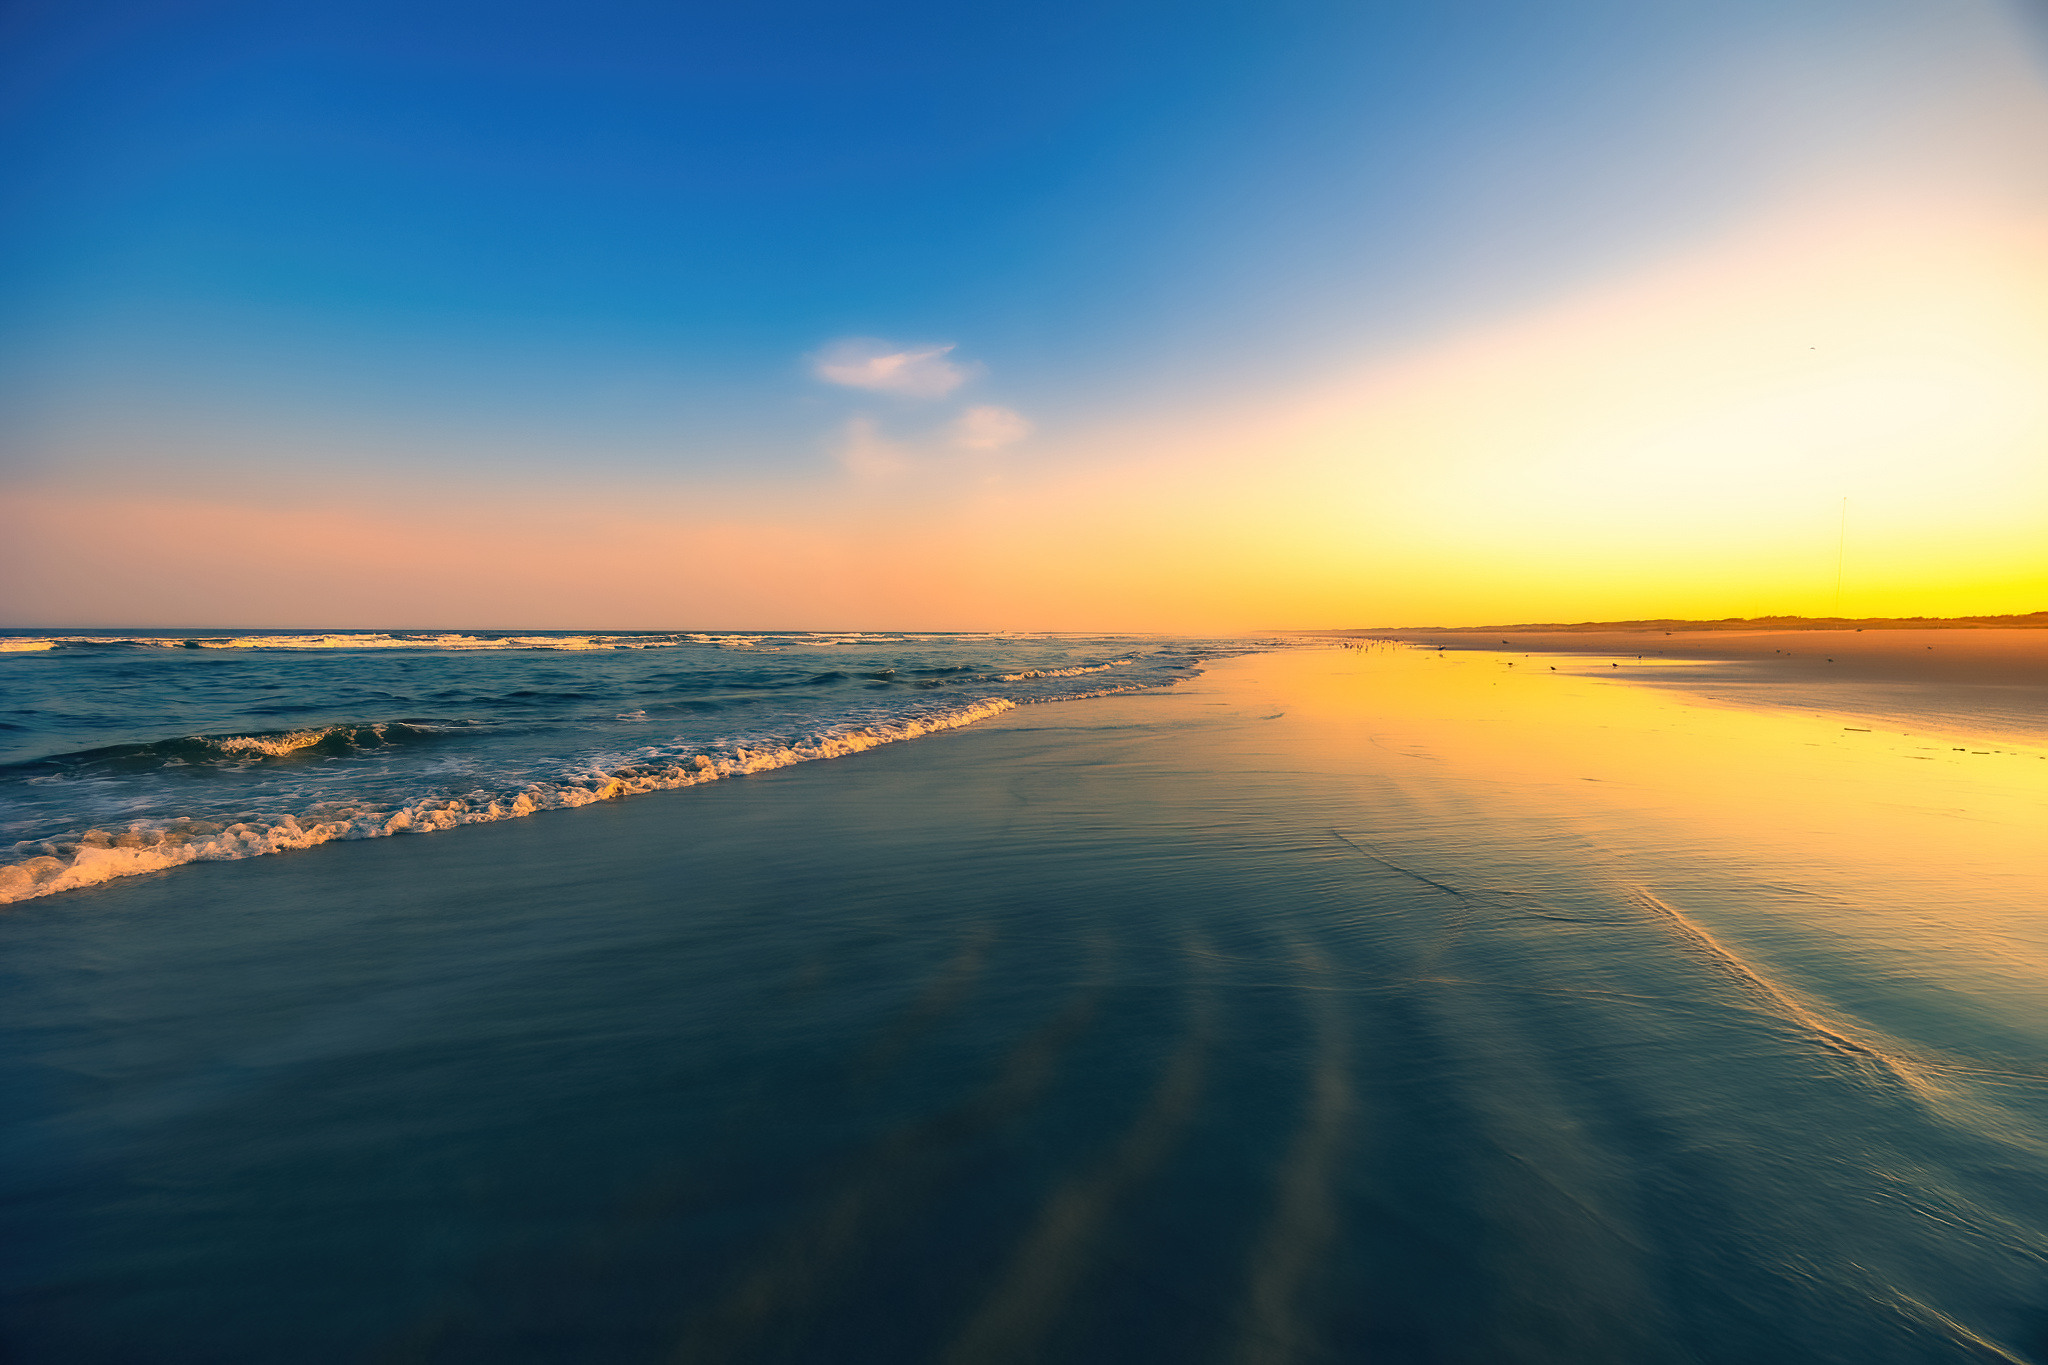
1365, 1019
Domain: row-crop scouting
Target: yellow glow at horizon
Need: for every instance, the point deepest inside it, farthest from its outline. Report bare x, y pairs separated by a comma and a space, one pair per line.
1677, 444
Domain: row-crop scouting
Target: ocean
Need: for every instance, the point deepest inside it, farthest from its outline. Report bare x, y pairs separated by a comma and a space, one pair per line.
130, 751
1363, 1004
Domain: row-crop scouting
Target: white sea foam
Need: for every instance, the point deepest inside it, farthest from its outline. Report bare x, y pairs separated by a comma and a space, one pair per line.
315, 640
99, 856
362, 640
275, 746
1061, 672
494, 736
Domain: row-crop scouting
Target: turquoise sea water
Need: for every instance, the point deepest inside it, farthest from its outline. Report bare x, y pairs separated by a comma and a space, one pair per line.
1236, 1022
129, 751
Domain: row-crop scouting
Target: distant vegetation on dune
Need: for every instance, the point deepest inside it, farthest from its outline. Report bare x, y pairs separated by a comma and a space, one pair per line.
2034, 619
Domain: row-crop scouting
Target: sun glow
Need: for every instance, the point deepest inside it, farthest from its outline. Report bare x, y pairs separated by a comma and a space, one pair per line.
1676, 442
1680, 442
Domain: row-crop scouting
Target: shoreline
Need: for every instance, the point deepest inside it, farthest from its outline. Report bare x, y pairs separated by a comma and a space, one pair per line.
1544, 1007
1997, 655
2037, 620
1966, 681
1992, 690
321, 741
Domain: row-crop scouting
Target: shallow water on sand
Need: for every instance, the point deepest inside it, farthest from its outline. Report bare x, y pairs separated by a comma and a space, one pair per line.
1341, 1005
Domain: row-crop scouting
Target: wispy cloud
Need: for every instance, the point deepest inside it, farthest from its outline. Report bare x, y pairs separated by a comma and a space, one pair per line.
867, 454
989, 428
879, 366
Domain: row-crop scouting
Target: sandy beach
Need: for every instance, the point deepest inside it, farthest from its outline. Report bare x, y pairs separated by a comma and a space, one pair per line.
1340, 1004
1965, 679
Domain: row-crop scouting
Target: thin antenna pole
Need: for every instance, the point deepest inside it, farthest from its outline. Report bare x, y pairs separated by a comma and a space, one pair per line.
1841, 545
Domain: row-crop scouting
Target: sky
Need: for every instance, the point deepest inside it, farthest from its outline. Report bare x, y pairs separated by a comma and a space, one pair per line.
1106, 316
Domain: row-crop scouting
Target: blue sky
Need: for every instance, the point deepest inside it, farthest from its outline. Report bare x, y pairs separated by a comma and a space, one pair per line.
646, 208
608, 242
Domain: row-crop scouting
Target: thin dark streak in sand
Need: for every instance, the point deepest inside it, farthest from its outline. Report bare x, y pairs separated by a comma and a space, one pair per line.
1412, 875
1275, 1322
1033, 1292
1453, 930
774, 1299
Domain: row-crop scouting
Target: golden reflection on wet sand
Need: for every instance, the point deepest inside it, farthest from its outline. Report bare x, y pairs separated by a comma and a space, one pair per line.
1891, 822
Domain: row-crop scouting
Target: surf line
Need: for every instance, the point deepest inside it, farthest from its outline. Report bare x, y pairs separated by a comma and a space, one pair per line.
899, 1171
1779, 1002
1276, 1320
1923, 1314
1026, 1303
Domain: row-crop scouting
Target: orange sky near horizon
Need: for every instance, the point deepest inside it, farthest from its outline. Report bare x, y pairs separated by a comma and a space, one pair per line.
1771, 338
1677, 442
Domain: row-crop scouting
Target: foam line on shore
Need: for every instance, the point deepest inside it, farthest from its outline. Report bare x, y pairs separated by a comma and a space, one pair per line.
1777, 1000
100, 856
457, 640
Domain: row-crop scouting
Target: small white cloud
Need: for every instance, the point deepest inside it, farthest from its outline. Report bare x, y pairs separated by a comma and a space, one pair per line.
989, 429
907, 372
867, 454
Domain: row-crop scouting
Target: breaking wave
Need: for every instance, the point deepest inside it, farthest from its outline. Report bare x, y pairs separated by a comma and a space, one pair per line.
126, 752
323, 741
385, 640
100, 856
455, 640
1061, 672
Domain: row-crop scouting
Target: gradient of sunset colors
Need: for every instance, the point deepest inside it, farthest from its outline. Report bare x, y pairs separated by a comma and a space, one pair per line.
1136, 316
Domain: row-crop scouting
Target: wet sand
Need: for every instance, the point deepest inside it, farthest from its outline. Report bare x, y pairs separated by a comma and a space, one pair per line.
1962, 679
1344, 1004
